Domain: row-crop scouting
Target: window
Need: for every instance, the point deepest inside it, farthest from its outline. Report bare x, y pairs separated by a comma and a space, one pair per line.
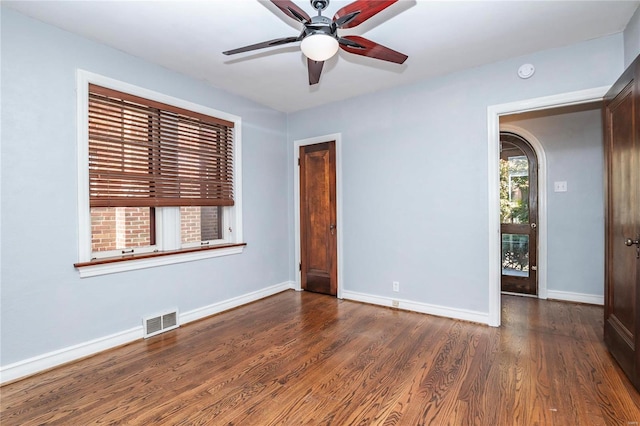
200, 225
117, 230
157, 176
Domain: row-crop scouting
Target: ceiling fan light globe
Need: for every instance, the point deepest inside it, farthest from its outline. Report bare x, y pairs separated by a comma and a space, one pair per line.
319, 47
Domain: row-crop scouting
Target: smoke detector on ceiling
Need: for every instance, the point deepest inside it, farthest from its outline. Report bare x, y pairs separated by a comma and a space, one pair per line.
526, 71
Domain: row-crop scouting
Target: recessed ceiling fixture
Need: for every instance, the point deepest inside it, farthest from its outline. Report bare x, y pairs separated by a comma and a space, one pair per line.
319, 37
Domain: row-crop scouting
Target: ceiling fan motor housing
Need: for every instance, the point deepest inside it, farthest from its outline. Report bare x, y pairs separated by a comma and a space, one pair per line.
321, 25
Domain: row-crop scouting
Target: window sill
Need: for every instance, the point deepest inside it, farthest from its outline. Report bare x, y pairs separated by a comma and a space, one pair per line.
149, 260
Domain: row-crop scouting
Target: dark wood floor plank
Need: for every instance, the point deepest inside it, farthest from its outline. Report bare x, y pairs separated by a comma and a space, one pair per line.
302, 358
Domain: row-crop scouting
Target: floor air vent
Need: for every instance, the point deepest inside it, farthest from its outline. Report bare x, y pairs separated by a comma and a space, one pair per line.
160, 323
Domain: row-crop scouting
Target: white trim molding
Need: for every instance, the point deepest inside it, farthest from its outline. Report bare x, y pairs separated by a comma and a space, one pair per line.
53, 359
44, 362
234, 302
151, 262
423, 308
337, 137
493, 126
567, 296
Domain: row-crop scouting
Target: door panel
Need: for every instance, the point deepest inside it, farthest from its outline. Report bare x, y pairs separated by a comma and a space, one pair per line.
515, 255
622, 263
518, 215
318, 233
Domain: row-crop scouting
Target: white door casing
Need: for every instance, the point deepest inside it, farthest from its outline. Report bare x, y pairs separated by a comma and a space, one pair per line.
493, 125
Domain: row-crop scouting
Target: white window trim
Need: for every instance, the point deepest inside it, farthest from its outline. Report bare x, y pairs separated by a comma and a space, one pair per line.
132, 265
166, 239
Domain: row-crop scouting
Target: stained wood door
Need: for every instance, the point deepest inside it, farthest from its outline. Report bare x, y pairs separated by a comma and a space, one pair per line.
518, 215
622, 250
318, 227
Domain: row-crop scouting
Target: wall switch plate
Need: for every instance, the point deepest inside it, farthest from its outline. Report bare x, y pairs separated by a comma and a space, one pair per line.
560, 186
396, 286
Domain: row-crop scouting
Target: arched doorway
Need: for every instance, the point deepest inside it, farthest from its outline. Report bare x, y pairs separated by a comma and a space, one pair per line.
518, 215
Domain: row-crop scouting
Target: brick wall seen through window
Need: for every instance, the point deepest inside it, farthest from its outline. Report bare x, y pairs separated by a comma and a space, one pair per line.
119, 228
116, 228
200, 223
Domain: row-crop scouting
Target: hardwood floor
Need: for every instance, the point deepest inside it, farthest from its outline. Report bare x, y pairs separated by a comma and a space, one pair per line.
303, 358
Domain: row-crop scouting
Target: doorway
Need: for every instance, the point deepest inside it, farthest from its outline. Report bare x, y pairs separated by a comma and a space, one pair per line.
518, 215
331, 230
494, 112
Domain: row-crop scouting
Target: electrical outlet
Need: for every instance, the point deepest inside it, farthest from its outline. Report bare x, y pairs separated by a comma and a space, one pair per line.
396, 286
395, 303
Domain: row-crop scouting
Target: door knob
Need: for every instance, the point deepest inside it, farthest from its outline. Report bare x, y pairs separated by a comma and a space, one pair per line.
534, 226
629, 242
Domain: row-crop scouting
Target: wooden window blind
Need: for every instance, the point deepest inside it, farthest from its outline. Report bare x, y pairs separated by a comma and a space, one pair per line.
146, 153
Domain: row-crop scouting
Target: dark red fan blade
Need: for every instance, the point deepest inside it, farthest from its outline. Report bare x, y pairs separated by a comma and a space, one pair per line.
315, 69
292, 10
362, 46
367, 9
270, 43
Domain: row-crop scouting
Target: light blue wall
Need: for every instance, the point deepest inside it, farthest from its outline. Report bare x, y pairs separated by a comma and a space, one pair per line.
632, 39
415, 171
45, 305
572, 141
415, 186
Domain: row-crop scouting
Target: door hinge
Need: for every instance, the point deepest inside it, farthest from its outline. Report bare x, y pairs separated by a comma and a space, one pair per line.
300, 266
298, 161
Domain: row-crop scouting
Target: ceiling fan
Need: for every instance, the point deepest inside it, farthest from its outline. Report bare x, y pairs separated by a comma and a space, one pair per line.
319, 37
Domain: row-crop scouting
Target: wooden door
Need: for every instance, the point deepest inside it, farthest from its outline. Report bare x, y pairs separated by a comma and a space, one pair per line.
318, 227
518, 215
622, 250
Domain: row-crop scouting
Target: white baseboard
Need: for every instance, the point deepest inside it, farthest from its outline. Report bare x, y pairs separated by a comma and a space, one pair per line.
49, 360
225, 305
424, 308
592, 299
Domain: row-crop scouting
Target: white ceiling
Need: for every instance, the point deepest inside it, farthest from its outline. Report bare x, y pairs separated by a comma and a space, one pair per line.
438, 36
